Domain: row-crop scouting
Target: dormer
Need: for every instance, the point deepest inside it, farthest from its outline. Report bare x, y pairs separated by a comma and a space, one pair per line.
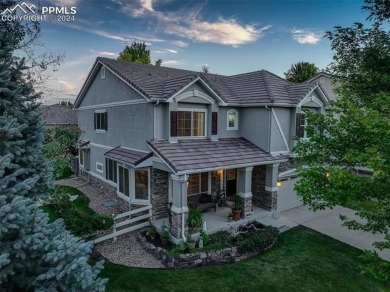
193, 112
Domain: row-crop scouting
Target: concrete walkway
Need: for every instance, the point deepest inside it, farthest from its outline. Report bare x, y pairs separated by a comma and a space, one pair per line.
328, 222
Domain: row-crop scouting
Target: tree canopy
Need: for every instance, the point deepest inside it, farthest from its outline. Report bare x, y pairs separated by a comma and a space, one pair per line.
301, 71
137, 53
348, 152
35, 255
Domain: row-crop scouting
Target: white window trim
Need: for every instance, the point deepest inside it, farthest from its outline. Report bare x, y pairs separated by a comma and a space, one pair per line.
103, 72
97, 167
205, 122
98, 111
133, 199
227, 120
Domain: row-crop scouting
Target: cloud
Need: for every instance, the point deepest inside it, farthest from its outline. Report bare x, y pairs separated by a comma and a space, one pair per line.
64, 3
171, 51
189, 24
306, 37
170, 62
103, 53
180, 44
68, 87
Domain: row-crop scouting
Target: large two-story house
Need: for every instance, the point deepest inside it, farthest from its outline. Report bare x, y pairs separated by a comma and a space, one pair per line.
158, 136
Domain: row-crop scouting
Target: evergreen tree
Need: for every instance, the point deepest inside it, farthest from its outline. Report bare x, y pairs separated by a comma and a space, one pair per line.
34, 254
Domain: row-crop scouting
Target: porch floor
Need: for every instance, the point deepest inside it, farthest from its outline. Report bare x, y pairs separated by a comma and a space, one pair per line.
217, 221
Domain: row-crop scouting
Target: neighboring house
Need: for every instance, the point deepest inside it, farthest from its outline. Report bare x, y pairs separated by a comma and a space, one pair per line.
327, 82
160, 136
56, 114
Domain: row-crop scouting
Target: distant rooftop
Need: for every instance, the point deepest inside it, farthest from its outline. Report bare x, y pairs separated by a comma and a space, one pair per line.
57, 114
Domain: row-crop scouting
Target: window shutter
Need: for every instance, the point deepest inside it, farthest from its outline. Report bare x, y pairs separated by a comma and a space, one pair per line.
105, 121
214, 123
173, 123
298, 128
95, 122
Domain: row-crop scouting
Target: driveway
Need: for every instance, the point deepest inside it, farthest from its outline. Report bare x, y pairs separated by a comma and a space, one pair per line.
328, 222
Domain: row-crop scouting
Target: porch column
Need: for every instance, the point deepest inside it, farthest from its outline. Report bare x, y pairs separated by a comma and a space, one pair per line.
245, 191
179, 209
270, 196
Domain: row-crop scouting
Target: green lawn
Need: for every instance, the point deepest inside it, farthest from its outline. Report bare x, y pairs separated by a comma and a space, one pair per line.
302, 260
78, 217
365, 205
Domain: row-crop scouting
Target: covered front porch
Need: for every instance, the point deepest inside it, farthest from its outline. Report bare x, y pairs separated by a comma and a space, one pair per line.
200, 173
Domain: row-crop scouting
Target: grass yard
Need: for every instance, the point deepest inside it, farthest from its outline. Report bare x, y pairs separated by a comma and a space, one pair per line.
359, 205
78, 217
302, 260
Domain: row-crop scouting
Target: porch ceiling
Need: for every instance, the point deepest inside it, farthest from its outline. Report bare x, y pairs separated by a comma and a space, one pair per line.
194, 155
128, 156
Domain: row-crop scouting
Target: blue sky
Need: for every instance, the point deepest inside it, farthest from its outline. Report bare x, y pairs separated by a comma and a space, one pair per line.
229, 36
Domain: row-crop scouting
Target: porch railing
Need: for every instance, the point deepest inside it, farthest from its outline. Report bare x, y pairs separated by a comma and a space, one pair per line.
135, 221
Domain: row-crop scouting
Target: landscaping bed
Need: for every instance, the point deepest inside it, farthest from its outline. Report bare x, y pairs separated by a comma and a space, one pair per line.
77, 216
219, 248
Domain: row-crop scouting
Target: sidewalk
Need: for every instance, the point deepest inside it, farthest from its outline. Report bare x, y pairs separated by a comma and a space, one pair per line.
329, 223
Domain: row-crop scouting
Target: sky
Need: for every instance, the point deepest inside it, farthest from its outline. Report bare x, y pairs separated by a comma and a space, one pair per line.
229, 36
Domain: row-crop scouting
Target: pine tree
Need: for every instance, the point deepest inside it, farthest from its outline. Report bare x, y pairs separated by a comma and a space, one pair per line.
34, 254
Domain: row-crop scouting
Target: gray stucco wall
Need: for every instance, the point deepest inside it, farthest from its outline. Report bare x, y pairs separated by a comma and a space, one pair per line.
108, 90
129, 126
222, 123
327, 86
162, 121
254, 126
97, 155
284, 116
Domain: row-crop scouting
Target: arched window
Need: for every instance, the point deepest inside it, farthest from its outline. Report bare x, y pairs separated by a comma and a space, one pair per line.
232, 120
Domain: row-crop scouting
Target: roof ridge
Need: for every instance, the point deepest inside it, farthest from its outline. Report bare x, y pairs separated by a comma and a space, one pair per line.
267, 86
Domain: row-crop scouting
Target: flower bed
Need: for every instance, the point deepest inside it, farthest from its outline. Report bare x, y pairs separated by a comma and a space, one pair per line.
220, 248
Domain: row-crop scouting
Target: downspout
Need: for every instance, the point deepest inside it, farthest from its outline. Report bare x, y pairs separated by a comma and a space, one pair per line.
269, 130
182, 216
154, 118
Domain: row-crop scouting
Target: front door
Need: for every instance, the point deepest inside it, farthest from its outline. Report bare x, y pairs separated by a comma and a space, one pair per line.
231, 182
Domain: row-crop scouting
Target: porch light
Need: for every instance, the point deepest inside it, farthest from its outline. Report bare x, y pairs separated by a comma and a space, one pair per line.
279, 184
220, 171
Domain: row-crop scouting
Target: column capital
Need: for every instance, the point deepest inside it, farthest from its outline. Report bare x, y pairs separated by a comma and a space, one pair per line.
179, 178
273, 165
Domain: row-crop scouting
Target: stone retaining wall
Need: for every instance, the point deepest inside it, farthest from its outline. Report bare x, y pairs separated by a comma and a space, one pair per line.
190, 260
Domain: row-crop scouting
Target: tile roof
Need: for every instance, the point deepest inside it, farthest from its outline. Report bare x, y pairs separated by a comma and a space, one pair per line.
58, 114
257, 87
196, 155
132, 157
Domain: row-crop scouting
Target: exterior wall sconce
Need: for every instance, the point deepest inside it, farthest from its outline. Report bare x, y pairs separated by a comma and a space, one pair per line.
220, 171
279, 184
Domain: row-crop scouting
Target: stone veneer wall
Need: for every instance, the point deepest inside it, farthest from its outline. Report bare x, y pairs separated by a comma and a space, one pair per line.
262, 198
159, 194
246, 211
215, 182
176, 224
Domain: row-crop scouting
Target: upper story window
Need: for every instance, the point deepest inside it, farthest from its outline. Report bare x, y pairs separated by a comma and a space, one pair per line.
232, 119
191, 123
100, 121
300, 125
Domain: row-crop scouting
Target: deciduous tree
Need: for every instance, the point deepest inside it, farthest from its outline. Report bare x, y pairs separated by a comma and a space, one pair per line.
355, 134
137, 53
301, 71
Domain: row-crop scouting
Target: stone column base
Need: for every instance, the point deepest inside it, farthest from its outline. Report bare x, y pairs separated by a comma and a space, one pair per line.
267, 200
246, 205
176, 225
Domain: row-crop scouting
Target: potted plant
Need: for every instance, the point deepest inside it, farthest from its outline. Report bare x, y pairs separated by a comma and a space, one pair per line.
151, 231
165, 232
191, 242
195, 220
230, 217
236, 208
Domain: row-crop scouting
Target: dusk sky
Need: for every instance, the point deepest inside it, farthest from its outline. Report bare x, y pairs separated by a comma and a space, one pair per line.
230, 37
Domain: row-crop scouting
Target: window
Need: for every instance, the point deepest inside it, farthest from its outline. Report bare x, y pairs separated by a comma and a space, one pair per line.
81, 157
99, 167
101, 121
232, 119
300, 126
103, 73
198, 183
124, 181
111, 173
191, 123
141, 184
